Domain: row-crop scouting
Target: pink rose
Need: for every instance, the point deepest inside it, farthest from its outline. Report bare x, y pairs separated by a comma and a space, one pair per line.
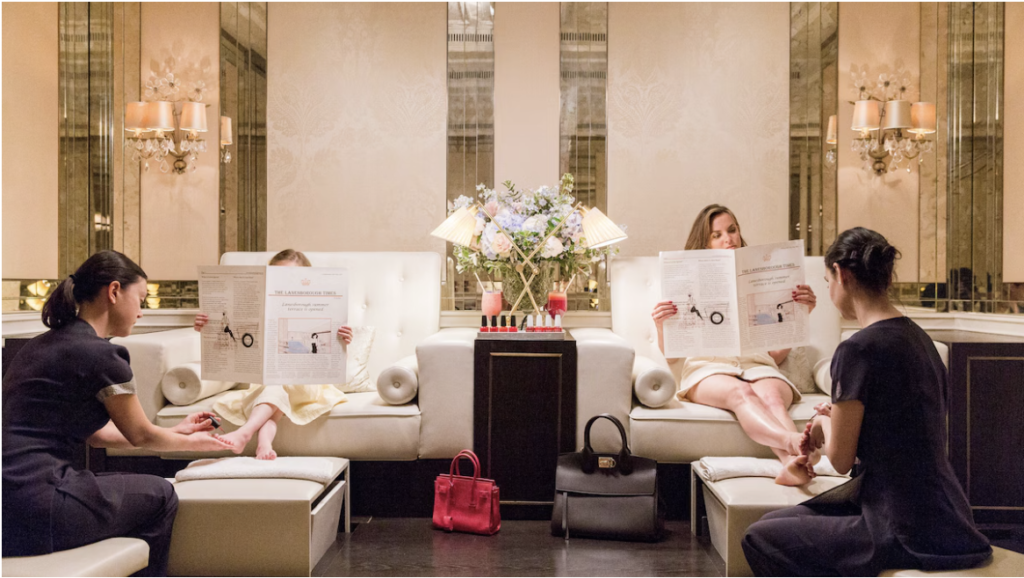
491, 208
501, 245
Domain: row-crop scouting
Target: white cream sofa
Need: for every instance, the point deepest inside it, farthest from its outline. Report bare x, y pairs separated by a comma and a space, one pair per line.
670, 431
399, 295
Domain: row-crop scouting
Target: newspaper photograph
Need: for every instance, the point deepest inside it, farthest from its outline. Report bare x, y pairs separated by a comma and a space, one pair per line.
273, 325
733, 302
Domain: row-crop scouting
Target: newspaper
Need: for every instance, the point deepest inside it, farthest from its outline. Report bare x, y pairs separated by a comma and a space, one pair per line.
273, 325
734, 302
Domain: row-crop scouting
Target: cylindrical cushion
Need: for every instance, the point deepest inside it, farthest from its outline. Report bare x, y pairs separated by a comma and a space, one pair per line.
399, 383
181, 385
823, 375
653, 383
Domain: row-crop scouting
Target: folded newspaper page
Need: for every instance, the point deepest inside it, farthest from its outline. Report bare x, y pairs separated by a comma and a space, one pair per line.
273, 325
734, 302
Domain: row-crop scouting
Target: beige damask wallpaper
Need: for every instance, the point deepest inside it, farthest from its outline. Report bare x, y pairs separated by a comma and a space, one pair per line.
30, 140
698, 111
179, 213
884, 37
356, 126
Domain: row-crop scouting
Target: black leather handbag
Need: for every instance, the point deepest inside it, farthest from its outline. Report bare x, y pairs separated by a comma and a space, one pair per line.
606, 495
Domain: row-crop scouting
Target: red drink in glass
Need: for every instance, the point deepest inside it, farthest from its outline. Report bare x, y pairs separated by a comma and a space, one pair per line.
491, 303
558, 302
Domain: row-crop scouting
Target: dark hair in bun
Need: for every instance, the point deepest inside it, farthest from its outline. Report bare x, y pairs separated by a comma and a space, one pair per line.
865, 254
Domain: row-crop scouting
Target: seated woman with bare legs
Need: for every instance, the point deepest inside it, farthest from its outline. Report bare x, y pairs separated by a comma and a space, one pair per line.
750, 386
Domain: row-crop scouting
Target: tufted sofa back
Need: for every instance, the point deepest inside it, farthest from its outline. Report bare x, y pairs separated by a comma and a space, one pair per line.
636, 288
397, 293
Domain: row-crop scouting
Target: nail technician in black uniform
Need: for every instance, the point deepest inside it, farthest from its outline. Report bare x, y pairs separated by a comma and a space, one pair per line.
905, 510
71, 385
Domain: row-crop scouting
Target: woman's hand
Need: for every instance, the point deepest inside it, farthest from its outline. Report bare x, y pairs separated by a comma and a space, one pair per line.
196, 422
201, 320
204, 442
824, 408
804, 295
662, 311
345, 333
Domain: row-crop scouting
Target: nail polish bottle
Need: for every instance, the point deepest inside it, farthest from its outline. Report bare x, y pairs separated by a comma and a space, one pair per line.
504, 327
548, 321
529, 323
483, 324
513, 328
494, 323
558, 323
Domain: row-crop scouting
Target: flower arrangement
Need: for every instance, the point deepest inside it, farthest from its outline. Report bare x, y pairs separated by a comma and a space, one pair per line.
526, 219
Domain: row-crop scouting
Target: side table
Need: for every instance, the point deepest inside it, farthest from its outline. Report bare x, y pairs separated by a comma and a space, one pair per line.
524, 415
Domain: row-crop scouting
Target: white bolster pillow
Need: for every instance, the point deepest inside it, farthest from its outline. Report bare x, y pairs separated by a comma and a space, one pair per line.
399, 383
653, 383
181, 385
823, 375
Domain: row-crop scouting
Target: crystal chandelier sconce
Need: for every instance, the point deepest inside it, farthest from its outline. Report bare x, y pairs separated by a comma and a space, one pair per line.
225, 139
167, 127
890, 130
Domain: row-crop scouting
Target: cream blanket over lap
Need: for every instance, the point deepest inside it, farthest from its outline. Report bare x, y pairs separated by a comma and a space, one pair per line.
301, 403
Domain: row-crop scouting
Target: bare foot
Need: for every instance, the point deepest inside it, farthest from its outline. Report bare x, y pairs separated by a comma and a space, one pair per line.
796, 441
265, 452
238, 440
794, 472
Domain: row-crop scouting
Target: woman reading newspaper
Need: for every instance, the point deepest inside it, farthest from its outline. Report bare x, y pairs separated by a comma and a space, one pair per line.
750, 386
259, 408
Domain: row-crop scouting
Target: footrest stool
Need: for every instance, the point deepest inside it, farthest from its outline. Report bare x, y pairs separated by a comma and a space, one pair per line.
258, 526
1002, 563
111, 557
732, 505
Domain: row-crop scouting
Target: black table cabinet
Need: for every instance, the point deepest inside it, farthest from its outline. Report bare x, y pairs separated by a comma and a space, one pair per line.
986, 421
524, 416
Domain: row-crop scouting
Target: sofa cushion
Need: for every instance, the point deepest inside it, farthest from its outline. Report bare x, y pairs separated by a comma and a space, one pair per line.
682, 432
797, 369
363, 428
357, 374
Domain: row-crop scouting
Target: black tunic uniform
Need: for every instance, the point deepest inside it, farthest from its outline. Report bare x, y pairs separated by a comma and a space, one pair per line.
906, 508
52, 402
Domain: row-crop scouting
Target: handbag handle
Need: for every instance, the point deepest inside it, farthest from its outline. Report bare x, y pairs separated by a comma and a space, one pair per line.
624, 463
454, 469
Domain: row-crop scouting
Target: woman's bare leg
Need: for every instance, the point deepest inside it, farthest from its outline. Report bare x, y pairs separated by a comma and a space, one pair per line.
734, 394
259, 416
265, 439
777, 397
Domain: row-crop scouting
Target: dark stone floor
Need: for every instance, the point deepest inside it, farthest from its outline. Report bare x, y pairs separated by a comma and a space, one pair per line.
411, 547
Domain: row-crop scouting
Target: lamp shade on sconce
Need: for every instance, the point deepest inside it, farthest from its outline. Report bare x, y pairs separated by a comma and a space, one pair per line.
897, 114
225, 131
134, 116
599, 230
830, 136
159, 115
922, 117
459, 228
193, 116
866, 115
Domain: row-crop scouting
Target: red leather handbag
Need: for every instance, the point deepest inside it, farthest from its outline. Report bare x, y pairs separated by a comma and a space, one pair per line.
464, 504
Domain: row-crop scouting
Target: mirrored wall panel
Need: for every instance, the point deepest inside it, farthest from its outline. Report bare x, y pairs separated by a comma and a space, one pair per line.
470, 125
813, 109
243, 105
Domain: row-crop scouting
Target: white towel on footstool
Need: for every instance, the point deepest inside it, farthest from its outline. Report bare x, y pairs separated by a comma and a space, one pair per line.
295, 468
715, 469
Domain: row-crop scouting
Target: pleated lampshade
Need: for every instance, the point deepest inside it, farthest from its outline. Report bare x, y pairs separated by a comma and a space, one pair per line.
459, 228
599, 230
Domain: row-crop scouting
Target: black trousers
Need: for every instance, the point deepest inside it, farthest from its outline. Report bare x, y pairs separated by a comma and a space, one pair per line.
145, 509
776, 546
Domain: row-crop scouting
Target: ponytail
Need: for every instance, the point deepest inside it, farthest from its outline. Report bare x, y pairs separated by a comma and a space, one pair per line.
88, 281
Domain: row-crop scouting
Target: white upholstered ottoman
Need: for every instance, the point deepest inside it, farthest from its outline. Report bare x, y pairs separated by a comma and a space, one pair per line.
258, 526
111, 557
1002, 563
734, 504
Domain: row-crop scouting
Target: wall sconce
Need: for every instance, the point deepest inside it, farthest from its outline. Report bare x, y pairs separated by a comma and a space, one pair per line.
882, 119
831, 139
225, 139
168, 126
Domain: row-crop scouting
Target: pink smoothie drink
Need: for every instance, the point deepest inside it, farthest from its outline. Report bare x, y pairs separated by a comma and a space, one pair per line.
558, 302
491, 303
